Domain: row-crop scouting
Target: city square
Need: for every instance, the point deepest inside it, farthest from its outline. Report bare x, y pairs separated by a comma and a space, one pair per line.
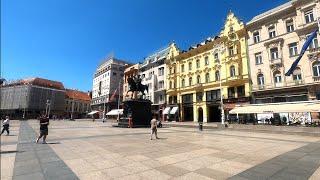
84, 149
150, 89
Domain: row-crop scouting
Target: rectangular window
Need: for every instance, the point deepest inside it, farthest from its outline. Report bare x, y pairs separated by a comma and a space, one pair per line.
308, 15
216, 57
161, 84
314, 43
199, 96
272, 32
289, 25
190, 66
161, 71
231, 92
258, 58
274, 53
213, 95
161, 98
188, 98
293, 49
206, 60
231, 52
182, 68
240, 91
256, 37
198, 63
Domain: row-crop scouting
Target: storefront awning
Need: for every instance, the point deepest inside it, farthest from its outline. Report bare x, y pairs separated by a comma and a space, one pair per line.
174, 110
93, 112
292, 107
166, 110
115, 112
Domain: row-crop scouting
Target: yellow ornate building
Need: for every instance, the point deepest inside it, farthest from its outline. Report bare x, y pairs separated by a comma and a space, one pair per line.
195, 77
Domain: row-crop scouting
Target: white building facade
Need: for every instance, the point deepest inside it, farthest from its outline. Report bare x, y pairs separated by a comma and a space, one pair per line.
152, 72
108, 80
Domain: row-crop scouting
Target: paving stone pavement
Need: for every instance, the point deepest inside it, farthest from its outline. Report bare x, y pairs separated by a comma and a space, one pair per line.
95, 150
37, 161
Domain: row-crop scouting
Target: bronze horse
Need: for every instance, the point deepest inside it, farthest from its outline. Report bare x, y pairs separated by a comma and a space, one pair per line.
133, 87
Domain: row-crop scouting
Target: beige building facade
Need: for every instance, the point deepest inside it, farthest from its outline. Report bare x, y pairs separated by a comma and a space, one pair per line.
275, 39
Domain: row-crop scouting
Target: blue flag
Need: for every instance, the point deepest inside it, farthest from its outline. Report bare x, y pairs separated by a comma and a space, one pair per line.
303, 50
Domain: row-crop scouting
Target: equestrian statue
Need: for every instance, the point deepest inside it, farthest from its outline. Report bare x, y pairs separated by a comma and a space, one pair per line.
136, 86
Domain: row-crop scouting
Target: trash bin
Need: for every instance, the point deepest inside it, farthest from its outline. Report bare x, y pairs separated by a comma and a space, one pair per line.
200, 126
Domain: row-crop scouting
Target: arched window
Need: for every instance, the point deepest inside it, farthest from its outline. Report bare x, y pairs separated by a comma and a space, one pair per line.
316, 69
207, 77
296, 75
217, 74
190, 66
182, 83
277, 77
190, 81
232, 71
260, 79
198, 79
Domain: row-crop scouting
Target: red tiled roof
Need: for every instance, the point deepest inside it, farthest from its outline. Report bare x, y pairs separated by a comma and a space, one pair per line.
78, 95
38, 82
43, 83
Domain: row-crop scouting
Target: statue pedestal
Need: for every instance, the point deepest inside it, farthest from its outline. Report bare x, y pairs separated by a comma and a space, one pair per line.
140, 111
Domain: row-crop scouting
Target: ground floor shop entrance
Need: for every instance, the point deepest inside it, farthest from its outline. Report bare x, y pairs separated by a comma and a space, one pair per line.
187, 113
214, 113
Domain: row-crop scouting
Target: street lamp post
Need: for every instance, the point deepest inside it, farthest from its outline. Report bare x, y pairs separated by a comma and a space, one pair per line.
104, 109
119, 101
221, 91
48, 108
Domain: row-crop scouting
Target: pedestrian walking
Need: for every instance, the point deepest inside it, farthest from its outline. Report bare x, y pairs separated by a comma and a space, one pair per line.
6, 125
44, 122
153, 123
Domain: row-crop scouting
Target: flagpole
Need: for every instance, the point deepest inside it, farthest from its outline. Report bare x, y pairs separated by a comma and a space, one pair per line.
119, 101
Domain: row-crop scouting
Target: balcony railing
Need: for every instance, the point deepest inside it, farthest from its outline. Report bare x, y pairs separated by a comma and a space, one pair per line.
277, 61
233, 57
316, 78
279, 85
314, 50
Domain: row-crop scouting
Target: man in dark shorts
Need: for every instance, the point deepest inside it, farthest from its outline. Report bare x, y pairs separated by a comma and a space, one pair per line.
44, 122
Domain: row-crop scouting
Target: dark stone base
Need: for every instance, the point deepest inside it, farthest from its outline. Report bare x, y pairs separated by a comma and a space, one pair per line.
140, 111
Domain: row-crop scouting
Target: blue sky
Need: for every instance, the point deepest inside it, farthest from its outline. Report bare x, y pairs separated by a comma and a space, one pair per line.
65, 40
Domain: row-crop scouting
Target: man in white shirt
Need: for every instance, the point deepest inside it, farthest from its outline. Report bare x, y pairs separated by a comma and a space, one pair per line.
153, 123
5, 125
